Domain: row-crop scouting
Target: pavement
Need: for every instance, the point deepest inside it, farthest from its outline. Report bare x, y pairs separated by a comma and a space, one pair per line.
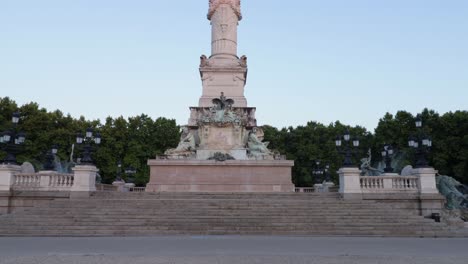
233, 249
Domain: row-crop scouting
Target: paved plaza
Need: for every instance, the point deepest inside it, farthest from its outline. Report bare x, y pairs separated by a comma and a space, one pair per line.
232, 249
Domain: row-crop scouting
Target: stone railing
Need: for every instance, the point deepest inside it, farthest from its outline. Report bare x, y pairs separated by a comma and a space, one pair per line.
44, 181
420, 181
106, 187
137, 189
389, 184
304, 189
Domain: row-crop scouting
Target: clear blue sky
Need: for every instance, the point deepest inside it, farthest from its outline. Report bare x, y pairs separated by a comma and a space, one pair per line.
308, 59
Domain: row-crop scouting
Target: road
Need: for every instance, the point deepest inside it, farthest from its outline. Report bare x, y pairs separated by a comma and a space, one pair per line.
232, 249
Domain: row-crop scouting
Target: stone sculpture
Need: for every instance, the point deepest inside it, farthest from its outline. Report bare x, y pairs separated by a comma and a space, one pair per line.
455, 192
222, 103
218, 156
187, 145
27, 167
255, 146
243, 61
366, 168
234, 4
204, 62
222, 126
221, 113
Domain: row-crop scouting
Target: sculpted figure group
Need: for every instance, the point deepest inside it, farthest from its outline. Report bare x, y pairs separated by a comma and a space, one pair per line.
186, 146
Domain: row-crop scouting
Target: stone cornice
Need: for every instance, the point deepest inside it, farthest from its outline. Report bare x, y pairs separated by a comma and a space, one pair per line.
235, 5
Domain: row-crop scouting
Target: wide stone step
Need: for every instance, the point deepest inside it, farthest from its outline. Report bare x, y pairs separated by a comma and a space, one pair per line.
132, 214
221, 207
234, 220
205, 226
304, 217
194, 230
216, 215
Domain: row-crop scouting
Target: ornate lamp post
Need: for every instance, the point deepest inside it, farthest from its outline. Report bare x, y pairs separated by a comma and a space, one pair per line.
327, 173
10, 141
130, 172
318, 172
118, 178
422, 143
89, 141
347, 150
50, 158
387, 154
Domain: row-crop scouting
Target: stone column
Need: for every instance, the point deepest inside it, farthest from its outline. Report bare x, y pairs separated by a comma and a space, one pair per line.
7, 176
84, 179
431, 200
350, 183
225, 16
224, 71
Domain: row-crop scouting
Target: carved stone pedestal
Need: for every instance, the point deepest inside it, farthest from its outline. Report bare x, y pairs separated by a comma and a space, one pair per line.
230, 176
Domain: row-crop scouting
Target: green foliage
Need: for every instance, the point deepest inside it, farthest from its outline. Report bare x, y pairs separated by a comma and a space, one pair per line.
137, 139
132, 141
315, 141
449, 134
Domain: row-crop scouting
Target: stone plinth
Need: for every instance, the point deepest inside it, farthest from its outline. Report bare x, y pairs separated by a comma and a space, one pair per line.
427, 180
350, 184
85, 178
7, 173
213, 176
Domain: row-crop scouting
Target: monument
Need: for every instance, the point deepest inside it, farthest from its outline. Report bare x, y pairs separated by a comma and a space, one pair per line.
221, 148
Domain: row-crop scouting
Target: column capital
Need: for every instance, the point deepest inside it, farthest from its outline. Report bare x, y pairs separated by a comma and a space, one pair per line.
234, 4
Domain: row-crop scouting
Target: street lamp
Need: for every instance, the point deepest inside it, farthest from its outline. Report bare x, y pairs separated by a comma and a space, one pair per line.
89, 141
118, 178
422, 144
50, 158
11, 141
348, 149
327, 173
387, 154
318, 172
130, 173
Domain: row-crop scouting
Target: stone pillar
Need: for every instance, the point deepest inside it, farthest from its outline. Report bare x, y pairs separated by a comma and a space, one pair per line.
6, 176
318, 188
225, 16
45, 179
387, 181
224, 71
350, 183
427, 180
119, 185
327, 186
84, 179
431, 200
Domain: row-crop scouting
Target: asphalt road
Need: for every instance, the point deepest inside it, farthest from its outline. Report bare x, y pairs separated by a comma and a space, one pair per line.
233, 249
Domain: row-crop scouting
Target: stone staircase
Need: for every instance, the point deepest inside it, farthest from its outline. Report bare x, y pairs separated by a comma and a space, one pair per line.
149, 214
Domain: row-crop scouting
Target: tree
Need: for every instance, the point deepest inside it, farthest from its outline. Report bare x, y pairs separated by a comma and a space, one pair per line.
136, 139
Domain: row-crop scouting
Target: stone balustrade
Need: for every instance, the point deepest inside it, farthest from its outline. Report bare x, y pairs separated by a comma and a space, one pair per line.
304, 189
421, 181
389, 184
26, 180
137, 189
83, 179
43, 181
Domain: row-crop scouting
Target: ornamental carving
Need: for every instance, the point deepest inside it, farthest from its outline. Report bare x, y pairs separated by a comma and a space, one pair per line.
222, 114
234, 4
